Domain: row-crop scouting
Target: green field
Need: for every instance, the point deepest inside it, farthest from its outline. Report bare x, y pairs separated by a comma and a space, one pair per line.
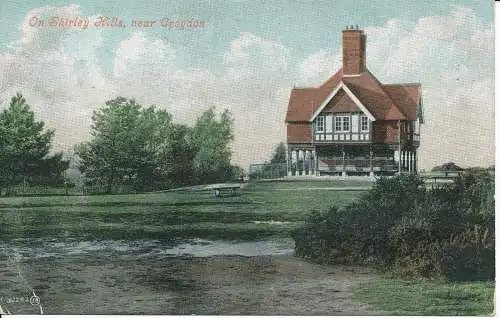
172, 215
429, 298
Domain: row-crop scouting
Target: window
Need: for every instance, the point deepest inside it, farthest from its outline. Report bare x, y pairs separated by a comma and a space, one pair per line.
338, 123
364, 123
320, 124
345, 123
342, 123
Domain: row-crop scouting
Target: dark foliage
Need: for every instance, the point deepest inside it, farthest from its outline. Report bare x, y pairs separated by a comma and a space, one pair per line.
25, 156
402, 226
449, 166
137, 149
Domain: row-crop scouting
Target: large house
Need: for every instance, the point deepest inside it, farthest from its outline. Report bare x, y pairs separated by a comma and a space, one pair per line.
353, 124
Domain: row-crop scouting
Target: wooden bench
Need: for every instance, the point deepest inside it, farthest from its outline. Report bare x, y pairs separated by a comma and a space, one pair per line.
217, 188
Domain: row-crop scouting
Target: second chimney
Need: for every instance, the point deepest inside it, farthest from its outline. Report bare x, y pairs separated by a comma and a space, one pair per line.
353, 51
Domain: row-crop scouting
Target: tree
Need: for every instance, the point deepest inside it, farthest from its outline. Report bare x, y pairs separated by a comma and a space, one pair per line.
124, 142
175, 157
143, 148
447, 167
212, 138
25, 147
279, 155
277, 166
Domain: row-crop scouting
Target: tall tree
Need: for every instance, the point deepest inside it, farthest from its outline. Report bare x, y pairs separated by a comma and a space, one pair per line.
25, 146
175, 157
213, 137
123, 144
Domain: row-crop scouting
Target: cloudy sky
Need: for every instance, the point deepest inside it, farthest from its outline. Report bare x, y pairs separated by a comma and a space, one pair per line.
247, 58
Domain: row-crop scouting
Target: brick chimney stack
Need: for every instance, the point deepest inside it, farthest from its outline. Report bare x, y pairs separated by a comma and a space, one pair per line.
353, 51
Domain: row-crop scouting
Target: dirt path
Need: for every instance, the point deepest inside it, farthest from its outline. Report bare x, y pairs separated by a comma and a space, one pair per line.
218, 285
277, 285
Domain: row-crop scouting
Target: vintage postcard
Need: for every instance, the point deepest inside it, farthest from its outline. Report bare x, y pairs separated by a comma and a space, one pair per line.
247, 157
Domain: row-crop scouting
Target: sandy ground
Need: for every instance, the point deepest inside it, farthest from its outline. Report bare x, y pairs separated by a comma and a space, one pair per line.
222, 285
274, 286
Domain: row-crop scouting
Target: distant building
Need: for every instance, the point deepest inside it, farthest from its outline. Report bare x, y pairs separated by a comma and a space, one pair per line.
353, 124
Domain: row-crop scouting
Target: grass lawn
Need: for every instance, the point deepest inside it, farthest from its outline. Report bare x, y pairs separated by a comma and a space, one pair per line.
172, 214
425, 297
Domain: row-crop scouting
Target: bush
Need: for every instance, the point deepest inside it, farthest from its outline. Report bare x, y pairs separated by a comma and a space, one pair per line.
402, 226
316, 239
469, 256
423, 261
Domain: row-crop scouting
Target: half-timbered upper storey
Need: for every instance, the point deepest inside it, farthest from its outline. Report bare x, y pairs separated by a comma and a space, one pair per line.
352, 106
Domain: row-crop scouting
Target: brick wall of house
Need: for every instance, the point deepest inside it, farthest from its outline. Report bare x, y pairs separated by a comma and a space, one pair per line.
385, 132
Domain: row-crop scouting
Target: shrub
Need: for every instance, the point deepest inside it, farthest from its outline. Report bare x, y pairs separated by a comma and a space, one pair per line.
424, 260
400, 225
469, 256
317, 238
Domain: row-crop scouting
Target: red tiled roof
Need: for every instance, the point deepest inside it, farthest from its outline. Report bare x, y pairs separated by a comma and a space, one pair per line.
299, 133
407, 96
370, 93
301, 104
304, 101
384, 102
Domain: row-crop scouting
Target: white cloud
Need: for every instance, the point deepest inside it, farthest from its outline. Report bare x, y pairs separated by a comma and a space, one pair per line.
316, 68
141, 56
60, 78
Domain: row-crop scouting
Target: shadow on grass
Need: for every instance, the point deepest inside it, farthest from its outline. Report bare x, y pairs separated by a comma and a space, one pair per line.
118, 204
169, 233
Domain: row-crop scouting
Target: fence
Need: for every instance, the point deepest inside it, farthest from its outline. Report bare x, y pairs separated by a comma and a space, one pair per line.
357, 165
267, 171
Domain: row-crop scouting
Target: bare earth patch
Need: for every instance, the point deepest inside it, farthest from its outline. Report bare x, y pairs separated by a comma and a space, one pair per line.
266, 285
224, 285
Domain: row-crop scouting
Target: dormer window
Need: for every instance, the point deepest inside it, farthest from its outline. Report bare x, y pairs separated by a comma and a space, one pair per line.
320, 124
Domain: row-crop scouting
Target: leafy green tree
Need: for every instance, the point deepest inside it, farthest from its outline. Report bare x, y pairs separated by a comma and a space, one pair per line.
123, 145
143, 148
154, 130
25, 146
212, 137
175, 157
